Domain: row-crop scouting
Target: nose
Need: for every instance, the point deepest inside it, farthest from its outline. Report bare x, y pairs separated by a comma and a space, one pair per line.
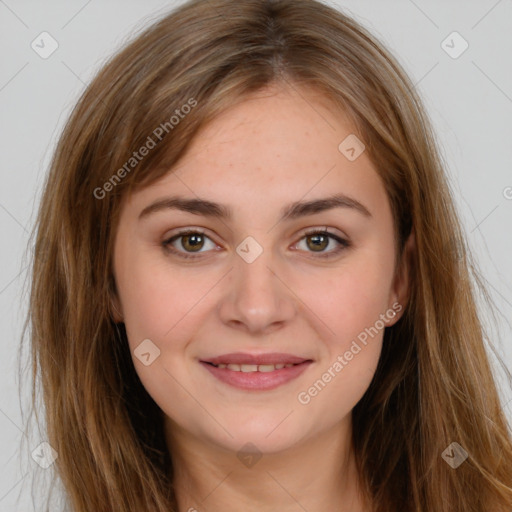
258, 300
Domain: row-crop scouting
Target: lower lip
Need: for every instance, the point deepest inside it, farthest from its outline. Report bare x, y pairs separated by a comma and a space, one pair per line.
257, 381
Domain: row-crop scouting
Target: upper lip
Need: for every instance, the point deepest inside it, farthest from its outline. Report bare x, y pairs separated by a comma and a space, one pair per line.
257, 359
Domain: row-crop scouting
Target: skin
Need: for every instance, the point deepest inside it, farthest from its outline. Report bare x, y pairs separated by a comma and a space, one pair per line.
270, 150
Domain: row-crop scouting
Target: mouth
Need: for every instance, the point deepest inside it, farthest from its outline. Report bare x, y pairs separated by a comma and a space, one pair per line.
256, 372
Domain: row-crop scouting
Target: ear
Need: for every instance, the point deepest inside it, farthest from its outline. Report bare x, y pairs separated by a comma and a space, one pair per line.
401, 287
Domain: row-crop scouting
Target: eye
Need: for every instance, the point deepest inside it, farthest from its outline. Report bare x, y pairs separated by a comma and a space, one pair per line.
319, 239
192, 240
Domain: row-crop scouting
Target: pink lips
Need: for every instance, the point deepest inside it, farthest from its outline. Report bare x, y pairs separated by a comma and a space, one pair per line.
256, 381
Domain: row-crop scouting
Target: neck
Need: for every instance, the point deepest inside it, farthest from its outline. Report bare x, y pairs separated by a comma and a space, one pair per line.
316, 475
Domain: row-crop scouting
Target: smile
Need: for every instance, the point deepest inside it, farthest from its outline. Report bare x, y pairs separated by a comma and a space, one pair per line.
255, 377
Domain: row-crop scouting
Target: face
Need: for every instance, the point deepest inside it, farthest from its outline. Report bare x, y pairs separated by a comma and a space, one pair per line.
251, 285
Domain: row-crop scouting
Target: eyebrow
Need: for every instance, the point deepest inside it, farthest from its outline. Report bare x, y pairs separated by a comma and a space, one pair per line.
292, 211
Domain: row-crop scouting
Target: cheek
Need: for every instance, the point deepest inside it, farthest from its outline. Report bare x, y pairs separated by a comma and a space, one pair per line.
156, 297
352, 299
352, 310
352, 305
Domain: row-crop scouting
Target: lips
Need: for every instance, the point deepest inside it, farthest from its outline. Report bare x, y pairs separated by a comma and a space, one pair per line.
256, 372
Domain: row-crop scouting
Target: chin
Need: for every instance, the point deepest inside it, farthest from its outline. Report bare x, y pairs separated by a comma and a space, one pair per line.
264, 436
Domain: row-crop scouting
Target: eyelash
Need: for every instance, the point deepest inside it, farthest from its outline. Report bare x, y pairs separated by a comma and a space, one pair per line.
344, 244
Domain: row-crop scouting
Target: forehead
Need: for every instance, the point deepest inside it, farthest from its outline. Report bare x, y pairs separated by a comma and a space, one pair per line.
274, 147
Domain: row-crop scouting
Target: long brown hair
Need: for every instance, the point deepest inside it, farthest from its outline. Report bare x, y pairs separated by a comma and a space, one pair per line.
433, 385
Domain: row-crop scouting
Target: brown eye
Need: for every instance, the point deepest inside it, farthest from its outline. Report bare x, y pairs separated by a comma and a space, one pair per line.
192, 241
317, 241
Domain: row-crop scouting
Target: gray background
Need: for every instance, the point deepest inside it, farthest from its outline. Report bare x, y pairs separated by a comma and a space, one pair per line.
469, 99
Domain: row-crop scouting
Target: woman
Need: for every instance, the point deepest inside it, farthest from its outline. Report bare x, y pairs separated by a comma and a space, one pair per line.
250, 287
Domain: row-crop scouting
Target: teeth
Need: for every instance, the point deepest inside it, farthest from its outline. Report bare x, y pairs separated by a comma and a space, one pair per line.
249, 368
267, 367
